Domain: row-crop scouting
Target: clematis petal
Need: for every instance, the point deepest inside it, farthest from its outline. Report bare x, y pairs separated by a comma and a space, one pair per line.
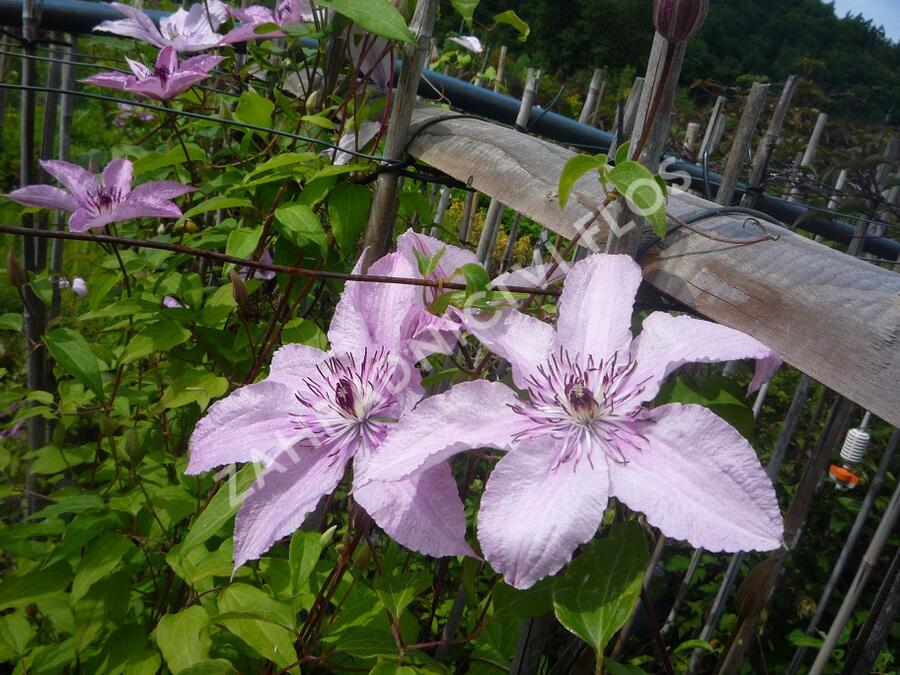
469, 415
111, 80
282, 497
76, 179
699, 480
44, 196
410, 242
372, 57
252, 424
140, 71
138, 25
668, 342
167, 60
423, 512
144, 208
254, 14
532, 517
375, 314
522, 340
117, 175
430, 334
247, 32
201, 64
180, 82
161, 189
596, 304
292, 362
533, 276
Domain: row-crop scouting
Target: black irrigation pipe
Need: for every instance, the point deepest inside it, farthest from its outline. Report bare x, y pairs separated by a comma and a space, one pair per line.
80, 16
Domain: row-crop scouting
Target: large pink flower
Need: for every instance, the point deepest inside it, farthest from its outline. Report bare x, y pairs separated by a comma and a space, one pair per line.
166, 80
316, 411
582, 434
287, 13
191, 30
97, 201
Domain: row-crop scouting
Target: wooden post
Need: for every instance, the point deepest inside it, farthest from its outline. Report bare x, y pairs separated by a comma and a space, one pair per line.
809, 156
604, 87
470, 206
501, 69
486, 59
623, 124
706, 144
690, 136
767, 145
794, 180
384, 207
590, 101
657, 98
744, 135
892, 152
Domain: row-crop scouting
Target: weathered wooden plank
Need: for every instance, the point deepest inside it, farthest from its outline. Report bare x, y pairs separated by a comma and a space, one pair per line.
831, 316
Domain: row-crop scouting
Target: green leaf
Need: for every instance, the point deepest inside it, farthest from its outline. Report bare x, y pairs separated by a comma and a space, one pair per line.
524, 604
599, 589
11, 322
74, 357
173, 157
348, 211
195, 386
724, 396
622, 152
797, 638
220, 509
242, 241
183, 638
376, 16
264, 628
300, 225
477, 278
304, 552
18, 590
305, 332
703, 644
102, 558
574, 169
284, 160
616, 668
218, 202
159, 336
466, 9
254, 109
510, 18
428, 263
396, 591
635, 182
15, 632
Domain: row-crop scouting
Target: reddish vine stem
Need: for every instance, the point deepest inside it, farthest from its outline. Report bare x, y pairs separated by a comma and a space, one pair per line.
255, 264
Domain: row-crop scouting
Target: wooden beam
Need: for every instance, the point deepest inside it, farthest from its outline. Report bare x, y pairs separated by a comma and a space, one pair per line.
831, 316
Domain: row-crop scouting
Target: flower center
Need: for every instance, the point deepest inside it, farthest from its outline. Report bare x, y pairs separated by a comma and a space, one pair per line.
586, 405
348, 405
163, 73
102, 199
282, 13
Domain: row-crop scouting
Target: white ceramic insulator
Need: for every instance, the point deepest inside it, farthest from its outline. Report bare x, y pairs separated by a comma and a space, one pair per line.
855, 446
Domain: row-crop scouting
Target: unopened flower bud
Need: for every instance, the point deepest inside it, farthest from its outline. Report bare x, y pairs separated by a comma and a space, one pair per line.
679, 20
238, 289
14, 271
80, 286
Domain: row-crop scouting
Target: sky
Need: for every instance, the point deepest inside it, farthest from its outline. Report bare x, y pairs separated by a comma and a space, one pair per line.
882, 12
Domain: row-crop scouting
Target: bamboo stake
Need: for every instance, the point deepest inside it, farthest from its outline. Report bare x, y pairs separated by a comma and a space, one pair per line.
744, 135
384, 206
604, 88
870, 560
856, 530
690, 136
501, 69
706, 143
767, 145
623, 124
809, 155
590, 101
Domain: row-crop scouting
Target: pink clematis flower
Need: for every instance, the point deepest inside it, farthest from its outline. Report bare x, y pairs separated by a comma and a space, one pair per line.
372, 57
287, 13
165, 81
95, 202
469, 42
186, 31
317, 411
583, 433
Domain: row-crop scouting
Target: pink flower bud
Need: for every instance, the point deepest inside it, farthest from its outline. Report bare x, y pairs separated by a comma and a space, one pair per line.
679, 20
80, 286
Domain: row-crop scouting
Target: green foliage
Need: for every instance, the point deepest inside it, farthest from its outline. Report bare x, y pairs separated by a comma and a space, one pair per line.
376, 16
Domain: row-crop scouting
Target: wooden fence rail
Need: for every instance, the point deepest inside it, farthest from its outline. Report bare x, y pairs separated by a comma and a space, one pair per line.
831, 316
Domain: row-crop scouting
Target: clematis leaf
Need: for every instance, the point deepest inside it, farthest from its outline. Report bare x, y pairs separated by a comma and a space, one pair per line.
376, 16
638, 185
348, 211
466, 9
74, 356
300, 225
599, 589
510, 18
574, 169
396, 591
